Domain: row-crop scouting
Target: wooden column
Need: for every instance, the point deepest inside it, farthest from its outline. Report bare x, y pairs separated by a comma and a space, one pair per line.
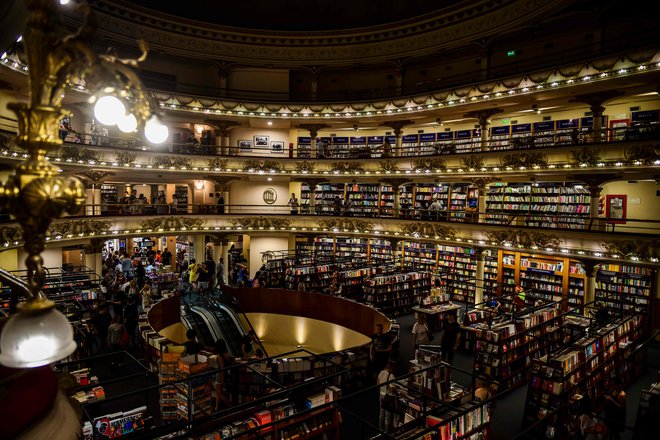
590, 268
483, 117
397, 128
480, 254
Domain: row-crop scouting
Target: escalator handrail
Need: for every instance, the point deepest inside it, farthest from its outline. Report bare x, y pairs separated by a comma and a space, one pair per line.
237, 305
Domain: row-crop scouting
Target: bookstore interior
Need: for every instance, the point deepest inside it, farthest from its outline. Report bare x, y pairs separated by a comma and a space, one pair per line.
426, 221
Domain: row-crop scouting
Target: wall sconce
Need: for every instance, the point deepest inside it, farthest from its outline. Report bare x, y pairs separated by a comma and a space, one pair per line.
199, 184
35, 195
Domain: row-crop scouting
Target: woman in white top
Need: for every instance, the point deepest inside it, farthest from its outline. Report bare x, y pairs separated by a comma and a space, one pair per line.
420, 332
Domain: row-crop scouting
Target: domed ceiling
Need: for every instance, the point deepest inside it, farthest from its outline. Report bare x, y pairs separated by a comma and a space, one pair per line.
298, 15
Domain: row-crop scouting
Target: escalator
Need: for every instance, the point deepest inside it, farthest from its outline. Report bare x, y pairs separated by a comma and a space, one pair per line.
213, 320
193, 320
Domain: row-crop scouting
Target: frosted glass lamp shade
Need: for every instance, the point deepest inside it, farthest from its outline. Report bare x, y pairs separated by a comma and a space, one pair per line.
31, 340
109, 110
128, 124
155, 131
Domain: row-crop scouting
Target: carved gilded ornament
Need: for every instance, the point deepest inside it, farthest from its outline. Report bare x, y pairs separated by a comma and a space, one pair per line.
171, 162
432, 164
79, 227
76, 154
260, 223
172, 223
524, 159
527, 239
217, 164
344, 224
474, 162
587, 156
347, 167
261, 165
11, 234
641, 249
643, 153
125, 158
305, 167
388, 166
426, 230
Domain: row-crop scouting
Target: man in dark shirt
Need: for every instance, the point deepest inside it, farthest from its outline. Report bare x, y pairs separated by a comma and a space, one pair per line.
191, 346
381, 349
100, 323
167, 257
451, 338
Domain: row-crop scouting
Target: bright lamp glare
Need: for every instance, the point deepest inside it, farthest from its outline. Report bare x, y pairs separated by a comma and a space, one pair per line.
30, 340
127, 124
109, 110
155, 131
64, 2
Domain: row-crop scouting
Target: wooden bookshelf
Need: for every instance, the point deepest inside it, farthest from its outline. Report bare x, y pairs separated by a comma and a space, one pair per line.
588, 367
506, 349
544, 277
396, 294
624, 287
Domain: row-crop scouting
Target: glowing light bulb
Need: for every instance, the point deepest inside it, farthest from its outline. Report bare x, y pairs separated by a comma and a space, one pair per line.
109, 110
128, 124
155, 131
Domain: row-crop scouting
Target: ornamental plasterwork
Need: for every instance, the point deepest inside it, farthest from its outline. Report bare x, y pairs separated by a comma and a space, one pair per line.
388, 166
217, 163
11, 234
125, 158
75, 154
473, 161
260, 223
344, 224
527, 239
641, 249
176, 223
79, 227
347, 167
642, 153
587, 155
432, 164
171, 161
305, 167
524, 159
261, 165
426, 230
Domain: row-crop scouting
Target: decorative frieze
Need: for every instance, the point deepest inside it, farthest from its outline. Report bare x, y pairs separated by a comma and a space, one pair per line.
172, 223
72, 228
426, 230
345, 224
261, 223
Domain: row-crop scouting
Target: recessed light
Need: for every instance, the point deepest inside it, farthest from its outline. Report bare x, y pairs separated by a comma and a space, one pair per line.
270, 123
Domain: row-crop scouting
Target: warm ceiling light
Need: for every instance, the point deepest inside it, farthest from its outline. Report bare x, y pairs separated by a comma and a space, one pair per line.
108, 110
270, 123
128, 124
155, 131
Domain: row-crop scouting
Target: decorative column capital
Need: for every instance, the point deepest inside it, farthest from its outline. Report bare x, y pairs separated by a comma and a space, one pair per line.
397, 126
395, 182
590, 267
313, 128
222, 126
311, 181
595, 101
221, 181
483, 115
481, 182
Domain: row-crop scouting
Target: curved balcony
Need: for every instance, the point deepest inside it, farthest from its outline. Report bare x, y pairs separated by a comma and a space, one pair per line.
609, 149
635, 241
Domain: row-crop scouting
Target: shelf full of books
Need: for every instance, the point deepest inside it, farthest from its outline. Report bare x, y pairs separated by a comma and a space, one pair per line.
506, 349
545, 205
544, 278
586, 369
396, 294
625, 287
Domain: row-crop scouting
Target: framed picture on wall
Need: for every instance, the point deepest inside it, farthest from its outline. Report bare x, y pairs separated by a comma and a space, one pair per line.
260, 141
615, 208
245, 145
277, 146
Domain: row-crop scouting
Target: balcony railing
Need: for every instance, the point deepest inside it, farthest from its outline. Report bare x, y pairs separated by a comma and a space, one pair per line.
524, 142
554, 221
